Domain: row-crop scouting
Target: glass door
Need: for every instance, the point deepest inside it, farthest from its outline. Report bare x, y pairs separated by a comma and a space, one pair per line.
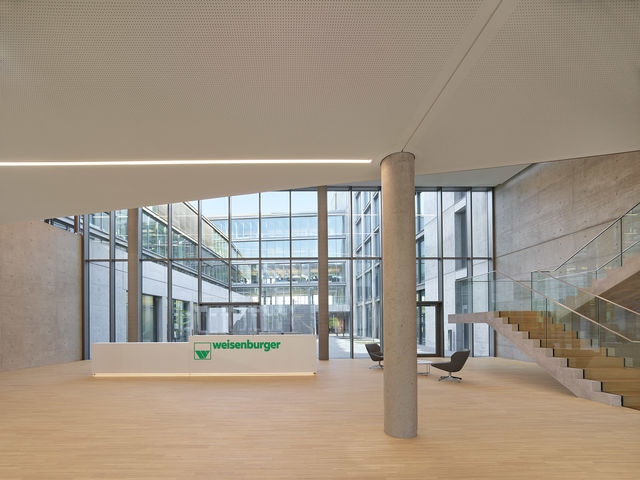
429, 329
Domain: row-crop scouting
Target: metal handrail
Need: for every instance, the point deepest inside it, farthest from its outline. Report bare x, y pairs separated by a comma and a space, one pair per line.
547, 273
617, 255
598, 235
557, 303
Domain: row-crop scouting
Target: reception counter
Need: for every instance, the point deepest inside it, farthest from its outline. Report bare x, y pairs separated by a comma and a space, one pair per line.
209, 355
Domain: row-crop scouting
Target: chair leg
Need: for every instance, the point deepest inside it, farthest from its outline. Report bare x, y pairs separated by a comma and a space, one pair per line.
450, 377
380, 366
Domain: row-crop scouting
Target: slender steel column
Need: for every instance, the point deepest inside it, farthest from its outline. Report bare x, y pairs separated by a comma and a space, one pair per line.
323, 276
399, 295
133, 275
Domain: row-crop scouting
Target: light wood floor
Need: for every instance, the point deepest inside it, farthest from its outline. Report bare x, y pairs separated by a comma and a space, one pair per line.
506, 420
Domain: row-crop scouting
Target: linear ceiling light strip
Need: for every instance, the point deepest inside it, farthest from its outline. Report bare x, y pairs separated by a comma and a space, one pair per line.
182, 162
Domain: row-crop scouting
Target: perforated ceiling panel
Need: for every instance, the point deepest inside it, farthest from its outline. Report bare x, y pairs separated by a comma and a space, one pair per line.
462, 84
198, 79
560, 79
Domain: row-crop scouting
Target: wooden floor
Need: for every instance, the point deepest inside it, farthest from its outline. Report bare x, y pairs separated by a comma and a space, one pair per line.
506, 420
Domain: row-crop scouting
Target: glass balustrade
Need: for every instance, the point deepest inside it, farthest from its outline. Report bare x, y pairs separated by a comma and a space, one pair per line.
556, 325
617, 245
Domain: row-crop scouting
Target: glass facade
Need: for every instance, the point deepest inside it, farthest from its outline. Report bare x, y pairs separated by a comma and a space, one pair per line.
249, 263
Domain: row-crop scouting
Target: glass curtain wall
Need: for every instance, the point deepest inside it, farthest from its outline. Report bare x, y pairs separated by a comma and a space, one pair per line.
453, 240
250, 263
106, 278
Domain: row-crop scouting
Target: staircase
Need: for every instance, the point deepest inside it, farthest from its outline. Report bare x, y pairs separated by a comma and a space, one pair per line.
609, 264
587, 342
592, 360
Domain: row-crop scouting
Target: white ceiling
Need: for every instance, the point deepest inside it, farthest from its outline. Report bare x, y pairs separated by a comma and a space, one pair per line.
463, 85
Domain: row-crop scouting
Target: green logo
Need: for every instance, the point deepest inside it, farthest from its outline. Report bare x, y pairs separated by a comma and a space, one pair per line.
202, 351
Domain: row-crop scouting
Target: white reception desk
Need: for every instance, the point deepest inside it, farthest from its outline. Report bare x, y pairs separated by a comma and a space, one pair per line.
209, 355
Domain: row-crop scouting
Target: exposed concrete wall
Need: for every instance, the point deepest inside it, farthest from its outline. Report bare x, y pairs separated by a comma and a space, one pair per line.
40, 295
547, 212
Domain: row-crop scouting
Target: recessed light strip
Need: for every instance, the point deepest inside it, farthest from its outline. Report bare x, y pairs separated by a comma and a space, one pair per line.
183, 162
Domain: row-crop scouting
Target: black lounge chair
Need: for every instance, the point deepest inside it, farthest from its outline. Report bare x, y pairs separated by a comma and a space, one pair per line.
375, 353
458, 360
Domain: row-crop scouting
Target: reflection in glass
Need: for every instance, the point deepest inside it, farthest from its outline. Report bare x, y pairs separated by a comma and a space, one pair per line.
185, 230
427, 224
338, 211
244, 281
151, 311
121, 300
99, 302
154, 284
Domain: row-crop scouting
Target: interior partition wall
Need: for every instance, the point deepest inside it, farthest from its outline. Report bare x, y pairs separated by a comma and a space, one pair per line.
249, 263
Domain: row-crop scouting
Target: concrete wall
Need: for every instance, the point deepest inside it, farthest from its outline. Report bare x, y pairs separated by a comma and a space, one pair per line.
40, 295
547, 212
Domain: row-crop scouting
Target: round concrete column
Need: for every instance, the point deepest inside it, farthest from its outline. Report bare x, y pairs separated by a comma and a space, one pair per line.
399, 295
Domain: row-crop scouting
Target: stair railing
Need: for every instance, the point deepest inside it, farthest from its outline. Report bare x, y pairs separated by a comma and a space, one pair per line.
499, 292
610, 314
613, 247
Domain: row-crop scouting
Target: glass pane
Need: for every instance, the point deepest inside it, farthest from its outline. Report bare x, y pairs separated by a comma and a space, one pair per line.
275, 224
338, 210
244, 281
427, 224
122, 233
304, 224
215, 281
480, 223
154, 234
99, 235
151, 314
214, 242
339, 309
154, 284
215, 237
98, 302
276, 297
244, 206
244, 226
304, 278
366, 238
121, 300
456, 336
216, 320
427, 288
275, 203
367, 325
275, 248
185, 230
454, 224
184, 291
245, 319
160, 211
426, 329
480, 295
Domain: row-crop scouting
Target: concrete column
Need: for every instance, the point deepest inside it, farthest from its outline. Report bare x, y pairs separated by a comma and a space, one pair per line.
399, 295
323, 276
134, 281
